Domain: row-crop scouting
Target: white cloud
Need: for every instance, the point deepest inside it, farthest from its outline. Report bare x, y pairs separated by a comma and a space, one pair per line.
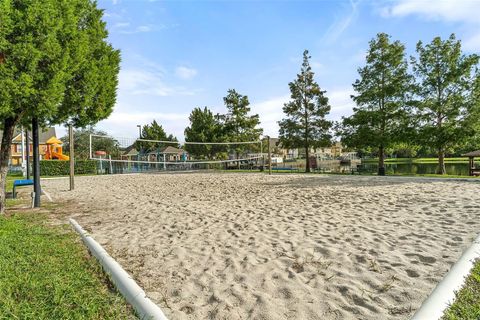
185, 73
341, 103
316, 66
142, 82
139, 29
444, 10
270, 112
124, 124
341, 24
121, 24
472, 43
466, 13
143, 29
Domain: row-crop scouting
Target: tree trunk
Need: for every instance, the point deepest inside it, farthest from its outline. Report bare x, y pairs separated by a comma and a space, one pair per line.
307, 163
441, 162
381, 161
5, 152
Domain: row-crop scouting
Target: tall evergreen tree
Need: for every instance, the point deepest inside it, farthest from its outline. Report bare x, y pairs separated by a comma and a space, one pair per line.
305, 125
56, 66
381, 117
447, 103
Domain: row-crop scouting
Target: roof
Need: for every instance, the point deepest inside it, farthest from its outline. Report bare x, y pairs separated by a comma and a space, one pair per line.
170, 149
43, 135
475, 153
54, 140
130, 151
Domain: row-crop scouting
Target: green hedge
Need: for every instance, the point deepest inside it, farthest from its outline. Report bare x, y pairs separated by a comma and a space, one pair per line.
62, 168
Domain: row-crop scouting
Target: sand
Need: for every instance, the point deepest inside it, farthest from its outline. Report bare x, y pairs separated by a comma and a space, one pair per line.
253, 246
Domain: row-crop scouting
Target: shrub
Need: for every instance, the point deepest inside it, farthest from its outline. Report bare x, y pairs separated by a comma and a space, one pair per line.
62, 168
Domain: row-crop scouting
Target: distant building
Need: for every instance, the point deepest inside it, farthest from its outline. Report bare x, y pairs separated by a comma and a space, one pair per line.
16, 146
167, 154
332, 152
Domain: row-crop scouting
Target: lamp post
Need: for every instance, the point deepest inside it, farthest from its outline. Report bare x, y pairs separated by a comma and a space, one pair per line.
36, 164
139, 131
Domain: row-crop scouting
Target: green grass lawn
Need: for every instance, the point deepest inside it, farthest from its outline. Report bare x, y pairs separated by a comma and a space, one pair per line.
9, 181
46, 273
467, 302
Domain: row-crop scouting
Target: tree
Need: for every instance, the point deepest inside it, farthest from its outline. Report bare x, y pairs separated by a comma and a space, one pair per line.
56, 67
155, 131
237, 124
204, 127
81, 141
305, 125
447, 103
381, 117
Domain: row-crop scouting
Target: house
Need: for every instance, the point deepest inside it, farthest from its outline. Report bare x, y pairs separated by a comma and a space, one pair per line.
16, 146
165, 154
331, 152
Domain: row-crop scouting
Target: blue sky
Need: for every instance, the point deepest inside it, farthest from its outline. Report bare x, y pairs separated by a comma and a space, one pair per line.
177, 55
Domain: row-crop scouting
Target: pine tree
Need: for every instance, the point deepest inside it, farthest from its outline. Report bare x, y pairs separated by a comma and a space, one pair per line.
305, 125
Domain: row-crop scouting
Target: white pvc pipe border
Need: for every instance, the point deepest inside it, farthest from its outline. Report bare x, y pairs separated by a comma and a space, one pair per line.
145, 308
444, 293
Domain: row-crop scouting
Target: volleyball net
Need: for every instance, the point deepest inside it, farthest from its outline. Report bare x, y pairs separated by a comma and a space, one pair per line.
129, 155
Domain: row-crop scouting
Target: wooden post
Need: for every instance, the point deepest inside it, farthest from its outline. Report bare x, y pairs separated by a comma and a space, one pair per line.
72, 157
269, 157
471, 166
36, 164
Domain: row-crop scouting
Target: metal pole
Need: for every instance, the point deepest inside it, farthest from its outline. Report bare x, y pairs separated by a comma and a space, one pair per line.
90, 147
36, 164
72, 157
23, 152
269, 157
261, 153
28, 153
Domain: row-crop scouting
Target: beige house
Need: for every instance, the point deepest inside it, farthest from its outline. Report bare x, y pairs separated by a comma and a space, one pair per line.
332, 152
16, 146
167, 154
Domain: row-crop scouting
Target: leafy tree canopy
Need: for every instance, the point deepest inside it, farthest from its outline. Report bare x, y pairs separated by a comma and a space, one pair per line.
155, 131
56, 66
447, 95
81, 142
204, 127
381, 117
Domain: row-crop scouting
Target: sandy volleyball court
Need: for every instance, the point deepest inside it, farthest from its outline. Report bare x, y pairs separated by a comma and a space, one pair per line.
252, 246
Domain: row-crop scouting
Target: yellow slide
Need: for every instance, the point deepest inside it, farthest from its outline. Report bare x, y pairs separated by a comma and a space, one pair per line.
60, 156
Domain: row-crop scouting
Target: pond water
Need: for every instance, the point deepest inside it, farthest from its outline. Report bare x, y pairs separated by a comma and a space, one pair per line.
419, 168
458, 168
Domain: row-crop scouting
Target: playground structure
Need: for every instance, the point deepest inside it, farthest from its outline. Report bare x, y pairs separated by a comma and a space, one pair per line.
54, 150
